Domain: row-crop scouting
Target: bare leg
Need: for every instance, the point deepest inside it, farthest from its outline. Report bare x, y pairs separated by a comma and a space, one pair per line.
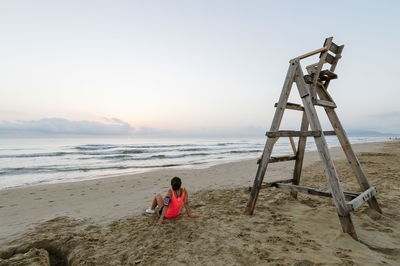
157, 201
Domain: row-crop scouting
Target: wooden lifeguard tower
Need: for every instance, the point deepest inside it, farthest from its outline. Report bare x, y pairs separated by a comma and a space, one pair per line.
313, 92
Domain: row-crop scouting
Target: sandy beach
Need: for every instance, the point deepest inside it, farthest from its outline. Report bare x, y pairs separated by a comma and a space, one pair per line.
101, 221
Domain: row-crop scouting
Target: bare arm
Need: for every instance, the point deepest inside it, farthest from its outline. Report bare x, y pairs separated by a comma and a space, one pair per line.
187, 206
165, 208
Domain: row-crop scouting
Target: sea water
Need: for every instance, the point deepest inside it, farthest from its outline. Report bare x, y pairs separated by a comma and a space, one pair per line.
32, 161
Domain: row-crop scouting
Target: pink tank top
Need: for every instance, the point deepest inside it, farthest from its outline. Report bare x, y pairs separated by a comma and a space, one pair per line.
175, 205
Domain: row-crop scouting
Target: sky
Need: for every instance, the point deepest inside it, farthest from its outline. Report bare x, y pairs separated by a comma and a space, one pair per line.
212, 68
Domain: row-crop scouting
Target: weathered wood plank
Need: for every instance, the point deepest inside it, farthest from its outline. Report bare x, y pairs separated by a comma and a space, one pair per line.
363, 197
276, 122
293, 133
330, 58
275, 159
293, 146
320, 50
324, 103
329, 133
292, 106
300, 154
265, 185
334, 48
311, 191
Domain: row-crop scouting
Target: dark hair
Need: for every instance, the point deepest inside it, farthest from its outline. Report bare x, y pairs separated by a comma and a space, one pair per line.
176, 183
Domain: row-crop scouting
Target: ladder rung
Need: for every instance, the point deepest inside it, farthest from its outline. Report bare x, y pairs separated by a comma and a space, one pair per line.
292, 133
293, 106
313, 191
276, 159
270, 184
324, 103
336, 49
330, 133
330, 59
308, 190
360, 199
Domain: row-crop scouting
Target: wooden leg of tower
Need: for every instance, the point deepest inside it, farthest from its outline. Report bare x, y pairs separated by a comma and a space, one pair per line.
329, 167
351, 156
300, 155
276, 122
347, 226
348, 150
262, 167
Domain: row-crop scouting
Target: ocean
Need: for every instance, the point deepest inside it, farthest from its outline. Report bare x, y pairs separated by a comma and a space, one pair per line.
26, 162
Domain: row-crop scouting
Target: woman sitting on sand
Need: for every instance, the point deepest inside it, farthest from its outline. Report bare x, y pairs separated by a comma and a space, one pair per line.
170, 206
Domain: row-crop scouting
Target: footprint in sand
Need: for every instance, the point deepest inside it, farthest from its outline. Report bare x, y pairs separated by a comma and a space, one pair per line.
116, 205
50, 201
32, 193
13, 205
38, 198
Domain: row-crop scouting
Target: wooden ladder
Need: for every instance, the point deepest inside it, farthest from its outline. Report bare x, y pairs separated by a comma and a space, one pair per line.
313, 92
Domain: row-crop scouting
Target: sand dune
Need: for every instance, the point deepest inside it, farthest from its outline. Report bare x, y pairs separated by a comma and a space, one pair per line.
282, 231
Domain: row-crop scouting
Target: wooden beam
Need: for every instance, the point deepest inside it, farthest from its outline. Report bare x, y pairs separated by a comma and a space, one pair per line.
311, 191
329, 167
276, 159
293, 146
363, 197
292, 106
320, 50
324, 103
330, 58
329, 133
300, 154
293, 133
351, 156
265, 185
334, 48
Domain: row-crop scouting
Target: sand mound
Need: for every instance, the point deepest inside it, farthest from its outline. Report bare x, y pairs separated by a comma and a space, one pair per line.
282, 231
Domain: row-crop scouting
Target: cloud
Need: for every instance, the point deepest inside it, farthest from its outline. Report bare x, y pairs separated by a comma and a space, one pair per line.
61, 126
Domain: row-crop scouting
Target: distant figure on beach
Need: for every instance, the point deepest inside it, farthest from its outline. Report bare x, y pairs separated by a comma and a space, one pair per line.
170, 206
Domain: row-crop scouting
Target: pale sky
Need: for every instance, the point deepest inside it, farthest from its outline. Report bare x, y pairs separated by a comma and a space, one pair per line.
190, 66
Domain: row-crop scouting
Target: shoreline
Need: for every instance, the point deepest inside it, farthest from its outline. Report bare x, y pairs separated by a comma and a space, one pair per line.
108, 199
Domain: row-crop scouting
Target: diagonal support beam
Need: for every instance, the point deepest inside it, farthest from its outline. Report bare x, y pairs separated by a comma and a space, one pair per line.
329, 167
